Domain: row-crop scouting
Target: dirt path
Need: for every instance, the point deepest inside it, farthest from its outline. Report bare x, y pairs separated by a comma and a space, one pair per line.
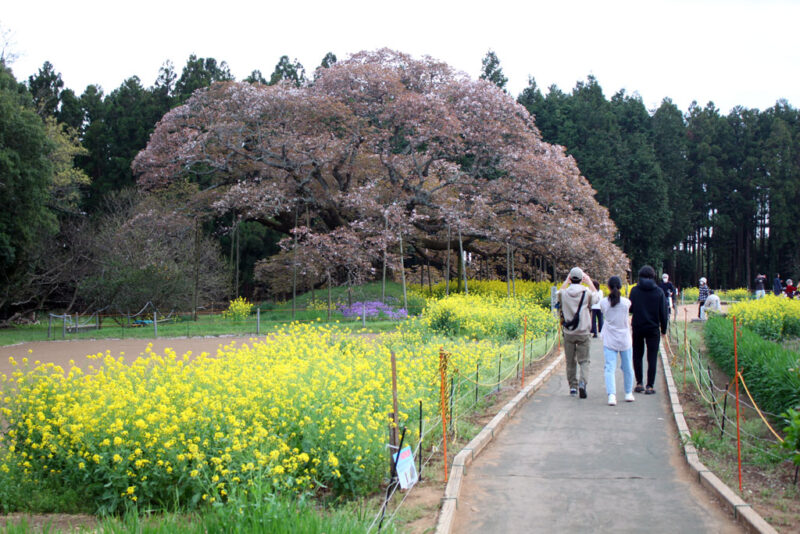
61, 352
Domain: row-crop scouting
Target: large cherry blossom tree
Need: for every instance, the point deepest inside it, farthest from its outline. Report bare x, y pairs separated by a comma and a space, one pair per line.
380, 148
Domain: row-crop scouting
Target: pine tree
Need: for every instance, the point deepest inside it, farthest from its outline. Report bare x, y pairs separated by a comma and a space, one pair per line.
491, 71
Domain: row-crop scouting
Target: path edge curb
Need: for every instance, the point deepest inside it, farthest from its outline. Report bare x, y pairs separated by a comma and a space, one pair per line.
471, 450
742, 512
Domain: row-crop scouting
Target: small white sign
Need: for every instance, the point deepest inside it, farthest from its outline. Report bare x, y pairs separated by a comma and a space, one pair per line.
406, 471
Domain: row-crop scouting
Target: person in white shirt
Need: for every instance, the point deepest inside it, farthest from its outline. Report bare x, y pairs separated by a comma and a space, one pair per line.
712, 304
617, 340
597, 315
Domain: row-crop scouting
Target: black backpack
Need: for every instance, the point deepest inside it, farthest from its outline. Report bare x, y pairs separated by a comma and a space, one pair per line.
573, 323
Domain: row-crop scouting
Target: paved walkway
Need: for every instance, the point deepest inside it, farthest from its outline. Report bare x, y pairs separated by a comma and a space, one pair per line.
564, 464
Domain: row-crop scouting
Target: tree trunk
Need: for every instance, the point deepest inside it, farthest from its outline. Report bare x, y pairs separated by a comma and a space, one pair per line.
461, 261
383, 281
196, 288
508, 269
403, 274
513, 275
238, 256
447, 269
294, 267
233, 250
349, 290
72, 301
329, 295
430, 283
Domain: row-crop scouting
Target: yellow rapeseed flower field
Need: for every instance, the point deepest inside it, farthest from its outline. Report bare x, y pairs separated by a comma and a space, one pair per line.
302, 409
770, 317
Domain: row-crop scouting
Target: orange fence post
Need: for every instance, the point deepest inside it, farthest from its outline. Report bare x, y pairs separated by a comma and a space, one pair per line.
738, 424
524, 336
442, 371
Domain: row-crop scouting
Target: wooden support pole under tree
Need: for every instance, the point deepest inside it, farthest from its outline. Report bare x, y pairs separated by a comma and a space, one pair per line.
403, 273
513, 275
238, 256
329, 294
294, 267
383, 280
447, 268
430, 282
462, 261
508, 269
196, 288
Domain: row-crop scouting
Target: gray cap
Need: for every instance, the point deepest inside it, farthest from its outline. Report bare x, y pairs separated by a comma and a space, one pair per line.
576, 274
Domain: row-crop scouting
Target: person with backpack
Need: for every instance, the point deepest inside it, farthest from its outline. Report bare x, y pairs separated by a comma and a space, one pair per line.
575, 301
649, 310
616, 336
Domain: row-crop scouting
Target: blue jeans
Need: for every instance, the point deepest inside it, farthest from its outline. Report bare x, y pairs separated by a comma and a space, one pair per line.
627, 369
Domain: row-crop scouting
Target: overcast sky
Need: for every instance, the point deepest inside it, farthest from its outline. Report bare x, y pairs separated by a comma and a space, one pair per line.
733, 52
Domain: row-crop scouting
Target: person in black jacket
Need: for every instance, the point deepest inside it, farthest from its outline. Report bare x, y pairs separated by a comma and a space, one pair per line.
649, 310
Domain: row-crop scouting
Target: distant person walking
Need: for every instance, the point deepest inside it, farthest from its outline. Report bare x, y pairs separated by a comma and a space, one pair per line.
702, 295
649, 310
616, 336
597, 315
777, 285
669, 291
761, 282
576, 300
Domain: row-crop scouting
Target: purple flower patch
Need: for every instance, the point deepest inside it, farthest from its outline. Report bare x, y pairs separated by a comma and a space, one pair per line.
373, 310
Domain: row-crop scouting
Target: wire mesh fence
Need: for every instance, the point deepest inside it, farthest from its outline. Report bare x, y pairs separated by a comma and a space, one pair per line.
150, 322
465, 392
691, 368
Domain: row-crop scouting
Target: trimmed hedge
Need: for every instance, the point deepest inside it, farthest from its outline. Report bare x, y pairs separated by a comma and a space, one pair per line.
771, 372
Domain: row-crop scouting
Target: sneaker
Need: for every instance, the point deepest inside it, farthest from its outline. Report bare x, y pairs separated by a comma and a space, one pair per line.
649, 391
573, 392
582, 389
629, 397
612, 400
638, 389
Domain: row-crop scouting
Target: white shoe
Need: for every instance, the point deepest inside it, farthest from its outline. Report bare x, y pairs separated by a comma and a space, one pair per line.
612, 400
629, 397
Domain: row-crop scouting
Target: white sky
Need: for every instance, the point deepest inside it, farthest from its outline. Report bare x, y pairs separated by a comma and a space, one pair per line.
734, 52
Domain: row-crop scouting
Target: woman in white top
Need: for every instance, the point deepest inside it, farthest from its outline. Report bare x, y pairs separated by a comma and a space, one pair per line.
597, 315
616, 336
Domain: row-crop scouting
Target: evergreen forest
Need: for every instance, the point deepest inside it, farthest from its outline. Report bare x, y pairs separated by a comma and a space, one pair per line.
695, 192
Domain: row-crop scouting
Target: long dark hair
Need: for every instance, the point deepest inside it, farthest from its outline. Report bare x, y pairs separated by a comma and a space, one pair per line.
614, 285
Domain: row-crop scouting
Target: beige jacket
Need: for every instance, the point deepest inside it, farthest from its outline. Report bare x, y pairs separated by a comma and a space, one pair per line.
569, 299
